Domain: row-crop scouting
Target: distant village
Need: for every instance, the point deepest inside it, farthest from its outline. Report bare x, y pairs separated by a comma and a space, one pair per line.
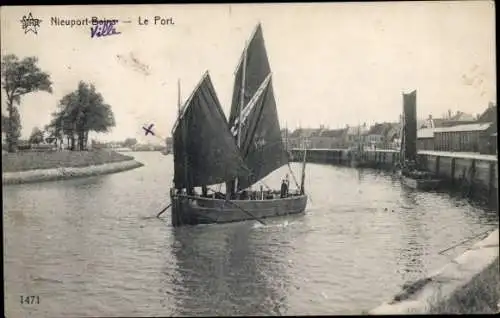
457, 132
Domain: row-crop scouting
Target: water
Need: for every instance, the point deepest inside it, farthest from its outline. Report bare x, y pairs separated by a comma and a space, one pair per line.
92, 247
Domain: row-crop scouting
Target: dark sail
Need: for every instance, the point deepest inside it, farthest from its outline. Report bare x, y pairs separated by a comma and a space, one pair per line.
204, 150
256, 70
410, 125
261, 143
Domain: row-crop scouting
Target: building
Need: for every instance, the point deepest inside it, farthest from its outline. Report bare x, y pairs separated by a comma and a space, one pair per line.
489, 115
300, 137
383, 135
425, 138
466, 138
492, 145
328, 139
355, 135
453, 120
393, 136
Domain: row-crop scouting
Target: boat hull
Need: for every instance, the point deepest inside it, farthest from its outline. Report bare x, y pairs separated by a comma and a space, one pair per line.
420, 184
189, 210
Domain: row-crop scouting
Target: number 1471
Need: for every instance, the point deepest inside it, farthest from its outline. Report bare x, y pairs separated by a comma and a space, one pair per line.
30, 300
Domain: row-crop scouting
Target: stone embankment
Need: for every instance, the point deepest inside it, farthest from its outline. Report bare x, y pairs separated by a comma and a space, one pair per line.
473, 173
469, 284
32, 167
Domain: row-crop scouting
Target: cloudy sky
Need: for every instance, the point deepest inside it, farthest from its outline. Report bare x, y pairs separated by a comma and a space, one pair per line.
333, 64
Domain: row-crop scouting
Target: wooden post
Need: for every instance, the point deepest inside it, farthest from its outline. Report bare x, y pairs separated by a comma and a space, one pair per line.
473, 170
453, 164
438, 158
472, 175
491, 181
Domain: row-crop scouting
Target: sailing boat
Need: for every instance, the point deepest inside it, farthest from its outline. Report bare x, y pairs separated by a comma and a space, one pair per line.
411, 176
357, 151
209, 150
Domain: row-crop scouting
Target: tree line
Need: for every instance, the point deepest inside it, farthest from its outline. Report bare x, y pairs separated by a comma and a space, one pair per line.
78, 113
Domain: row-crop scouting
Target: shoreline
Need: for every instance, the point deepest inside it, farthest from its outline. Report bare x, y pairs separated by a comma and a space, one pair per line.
469, 284
65, 173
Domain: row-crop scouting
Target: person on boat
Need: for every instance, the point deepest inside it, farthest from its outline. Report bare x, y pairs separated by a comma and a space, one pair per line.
244, 195
261, 192
204, 191
284, 188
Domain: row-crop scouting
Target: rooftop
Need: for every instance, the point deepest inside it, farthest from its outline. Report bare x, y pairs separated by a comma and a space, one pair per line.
466, 127
426, 132
357, 130
332, 133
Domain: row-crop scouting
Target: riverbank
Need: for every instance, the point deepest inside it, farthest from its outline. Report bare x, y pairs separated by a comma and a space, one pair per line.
469, 284
24, 167
474, 174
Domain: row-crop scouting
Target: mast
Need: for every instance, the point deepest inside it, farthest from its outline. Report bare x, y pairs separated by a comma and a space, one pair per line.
184, 152
286, 138
179, 97
242, 101
303, 178
402, 143
402, 152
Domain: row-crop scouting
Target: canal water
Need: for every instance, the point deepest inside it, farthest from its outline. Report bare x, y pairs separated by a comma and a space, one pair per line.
92, 247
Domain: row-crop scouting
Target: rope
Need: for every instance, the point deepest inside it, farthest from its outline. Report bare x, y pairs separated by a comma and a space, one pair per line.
293, 176
165, 209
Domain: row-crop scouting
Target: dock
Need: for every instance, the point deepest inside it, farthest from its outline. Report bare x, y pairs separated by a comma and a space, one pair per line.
474, 173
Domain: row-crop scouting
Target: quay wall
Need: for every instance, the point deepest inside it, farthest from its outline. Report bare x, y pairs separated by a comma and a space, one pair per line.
63, 173
469, 284
474, 174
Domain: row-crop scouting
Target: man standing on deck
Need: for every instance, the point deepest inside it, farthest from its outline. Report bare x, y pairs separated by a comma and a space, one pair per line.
284, 189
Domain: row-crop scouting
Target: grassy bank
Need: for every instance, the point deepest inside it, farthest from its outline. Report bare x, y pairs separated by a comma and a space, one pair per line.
25, 161
480, 296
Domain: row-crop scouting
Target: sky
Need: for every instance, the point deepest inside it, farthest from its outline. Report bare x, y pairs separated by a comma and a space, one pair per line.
333, 63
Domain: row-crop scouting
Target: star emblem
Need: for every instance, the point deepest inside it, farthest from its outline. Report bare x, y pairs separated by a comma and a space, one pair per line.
29, 23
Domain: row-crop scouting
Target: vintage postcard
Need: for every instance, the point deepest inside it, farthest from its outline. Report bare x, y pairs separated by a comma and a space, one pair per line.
249, 159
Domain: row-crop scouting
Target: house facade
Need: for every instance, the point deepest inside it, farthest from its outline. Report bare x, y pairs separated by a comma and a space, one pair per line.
463, 138
425, 138
328, 139
355, 135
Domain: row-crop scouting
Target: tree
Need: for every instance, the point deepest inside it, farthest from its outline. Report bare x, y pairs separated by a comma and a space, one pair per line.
79, 112
5, 122
20, 77
129, 142
36, 136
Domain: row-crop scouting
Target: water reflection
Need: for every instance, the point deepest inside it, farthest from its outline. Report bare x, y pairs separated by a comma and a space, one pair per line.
413, 239
224, 270
92, 247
